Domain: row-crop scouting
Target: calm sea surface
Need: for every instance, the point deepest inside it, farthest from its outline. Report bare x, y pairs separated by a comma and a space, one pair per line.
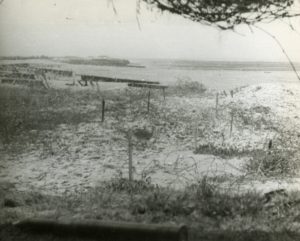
214, 75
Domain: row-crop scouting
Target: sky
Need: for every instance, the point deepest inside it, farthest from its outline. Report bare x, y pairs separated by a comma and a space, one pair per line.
93, 28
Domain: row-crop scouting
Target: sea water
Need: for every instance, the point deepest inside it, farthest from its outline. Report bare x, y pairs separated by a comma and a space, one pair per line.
219, 75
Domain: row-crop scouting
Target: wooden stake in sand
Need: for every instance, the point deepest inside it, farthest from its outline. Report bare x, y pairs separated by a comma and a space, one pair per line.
148, 104
196, 137
103, 110
130, 146
231, 122
217, 103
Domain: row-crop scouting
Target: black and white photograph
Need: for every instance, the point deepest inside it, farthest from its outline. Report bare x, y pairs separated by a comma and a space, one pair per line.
149, 120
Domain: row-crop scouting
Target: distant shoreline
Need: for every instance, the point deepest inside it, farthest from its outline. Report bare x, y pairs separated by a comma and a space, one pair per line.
162, 63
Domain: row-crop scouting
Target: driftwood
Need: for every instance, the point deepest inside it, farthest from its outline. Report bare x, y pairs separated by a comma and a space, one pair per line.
101, 230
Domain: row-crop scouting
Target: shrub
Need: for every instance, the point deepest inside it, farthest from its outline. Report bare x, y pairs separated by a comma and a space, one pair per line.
187, 87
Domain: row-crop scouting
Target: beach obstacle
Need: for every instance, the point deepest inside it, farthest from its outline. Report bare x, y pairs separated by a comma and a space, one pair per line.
147, 85
93, 78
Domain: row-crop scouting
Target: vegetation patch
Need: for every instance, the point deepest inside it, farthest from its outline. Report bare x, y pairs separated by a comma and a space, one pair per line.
274, 163
184, 87
279, 159
215, 202
121, 200
25, 109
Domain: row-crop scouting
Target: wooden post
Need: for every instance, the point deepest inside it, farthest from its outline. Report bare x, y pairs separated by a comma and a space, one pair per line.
79, 82
196, 138
130, 170
270, 146
98, 88
148, 105
231, 122
217, 103
103, 110
164, 93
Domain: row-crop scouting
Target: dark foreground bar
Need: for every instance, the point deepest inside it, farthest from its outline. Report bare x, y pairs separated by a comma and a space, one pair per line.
106, 230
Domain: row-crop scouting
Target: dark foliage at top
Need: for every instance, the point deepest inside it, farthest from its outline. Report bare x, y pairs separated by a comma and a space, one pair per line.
226, 14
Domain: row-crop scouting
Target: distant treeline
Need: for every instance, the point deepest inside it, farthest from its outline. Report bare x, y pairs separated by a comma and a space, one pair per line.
102, 61
23, 57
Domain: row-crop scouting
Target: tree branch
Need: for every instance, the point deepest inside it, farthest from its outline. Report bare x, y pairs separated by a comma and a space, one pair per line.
282, 48
227, 14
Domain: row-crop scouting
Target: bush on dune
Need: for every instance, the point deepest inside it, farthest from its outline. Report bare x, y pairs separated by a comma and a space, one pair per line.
185, 87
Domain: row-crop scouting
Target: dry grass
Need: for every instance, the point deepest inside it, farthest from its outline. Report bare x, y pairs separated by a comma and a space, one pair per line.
25, 109
280, 159
203, 206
